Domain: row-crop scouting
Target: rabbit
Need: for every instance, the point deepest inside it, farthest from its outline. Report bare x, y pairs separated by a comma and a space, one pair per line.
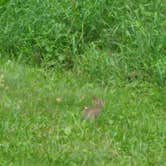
92, 112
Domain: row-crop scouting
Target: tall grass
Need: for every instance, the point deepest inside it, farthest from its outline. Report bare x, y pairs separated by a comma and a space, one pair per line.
56, 32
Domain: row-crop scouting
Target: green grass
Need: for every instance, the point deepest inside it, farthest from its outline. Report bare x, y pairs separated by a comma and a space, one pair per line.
55, 55
36, 129
60, 31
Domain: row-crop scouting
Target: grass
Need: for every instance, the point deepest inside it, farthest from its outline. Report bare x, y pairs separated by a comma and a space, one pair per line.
40, 120
133, 30
54, 56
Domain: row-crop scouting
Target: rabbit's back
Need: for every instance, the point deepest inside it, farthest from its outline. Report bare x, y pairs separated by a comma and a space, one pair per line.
90, 113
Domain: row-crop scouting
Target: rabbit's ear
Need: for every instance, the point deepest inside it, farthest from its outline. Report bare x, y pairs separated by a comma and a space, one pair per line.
94, 100
100, 103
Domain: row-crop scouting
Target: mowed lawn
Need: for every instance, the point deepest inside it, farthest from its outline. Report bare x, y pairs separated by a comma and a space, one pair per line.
40, 122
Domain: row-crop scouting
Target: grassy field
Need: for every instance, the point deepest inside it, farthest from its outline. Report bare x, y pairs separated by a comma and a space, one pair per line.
41, 123
54, 56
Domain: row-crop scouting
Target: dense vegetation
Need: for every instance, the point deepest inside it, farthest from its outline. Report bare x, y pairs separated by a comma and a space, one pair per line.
59, 33
55, 55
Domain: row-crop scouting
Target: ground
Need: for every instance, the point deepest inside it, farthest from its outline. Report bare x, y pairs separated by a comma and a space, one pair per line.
41, 124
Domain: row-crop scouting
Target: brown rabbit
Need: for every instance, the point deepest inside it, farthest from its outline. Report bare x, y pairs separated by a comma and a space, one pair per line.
93, 112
